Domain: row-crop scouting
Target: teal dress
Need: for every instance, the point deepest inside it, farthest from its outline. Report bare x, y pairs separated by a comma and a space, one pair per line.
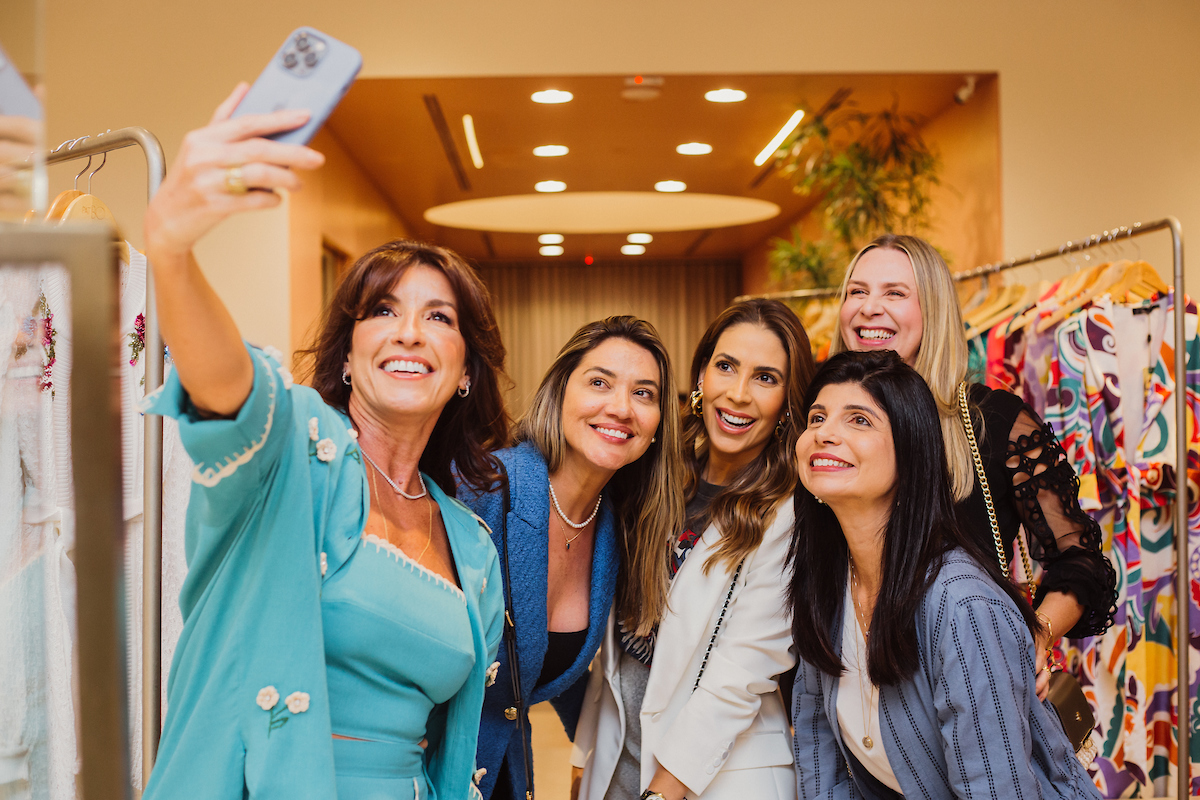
296, 627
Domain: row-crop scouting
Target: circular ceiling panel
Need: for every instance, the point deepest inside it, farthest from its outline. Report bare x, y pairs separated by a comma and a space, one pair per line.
601, 212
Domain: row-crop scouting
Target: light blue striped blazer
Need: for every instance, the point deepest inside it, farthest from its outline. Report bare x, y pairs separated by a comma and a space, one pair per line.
966, 724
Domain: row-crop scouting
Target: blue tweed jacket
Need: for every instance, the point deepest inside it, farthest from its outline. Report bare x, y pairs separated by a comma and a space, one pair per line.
967, 724
527, 557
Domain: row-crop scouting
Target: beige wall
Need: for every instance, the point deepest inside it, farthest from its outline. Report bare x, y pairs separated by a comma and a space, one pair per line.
1098, 97
338, 205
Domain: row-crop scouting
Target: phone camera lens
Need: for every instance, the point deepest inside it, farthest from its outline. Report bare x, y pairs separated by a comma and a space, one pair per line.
302, 42
310, 59
290, 60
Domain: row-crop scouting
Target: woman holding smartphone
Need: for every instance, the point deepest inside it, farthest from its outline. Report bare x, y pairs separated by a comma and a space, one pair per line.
691, 710
341, 607
594, 485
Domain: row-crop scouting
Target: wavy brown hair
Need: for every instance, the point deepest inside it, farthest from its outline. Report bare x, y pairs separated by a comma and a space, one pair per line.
743, 509
470, 427
647, 495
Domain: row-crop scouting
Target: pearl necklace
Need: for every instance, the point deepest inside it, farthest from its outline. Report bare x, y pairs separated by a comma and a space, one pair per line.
392, 483
576, 525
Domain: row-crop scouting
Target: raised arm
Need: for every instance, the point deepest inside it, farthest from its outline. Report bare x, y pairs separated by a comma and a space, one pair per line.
200, 190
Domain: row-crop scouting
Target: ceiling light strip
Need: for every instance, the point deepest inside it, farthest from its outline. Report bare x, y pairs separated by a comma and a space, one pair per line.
472, 142
784, 132
443, 132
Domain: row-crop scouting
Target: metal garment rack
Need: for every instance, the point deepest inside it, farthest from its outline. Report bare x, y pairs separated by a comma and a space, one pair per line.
1182, 561
156, 170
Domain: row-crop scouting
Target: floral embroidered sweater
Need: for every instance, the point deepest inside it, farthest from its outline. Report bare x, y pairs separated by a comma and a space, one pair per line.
279, 501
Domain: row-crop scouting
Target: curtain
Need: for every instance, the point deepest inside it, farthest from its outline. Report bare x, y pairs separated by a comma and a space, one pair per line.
539, 305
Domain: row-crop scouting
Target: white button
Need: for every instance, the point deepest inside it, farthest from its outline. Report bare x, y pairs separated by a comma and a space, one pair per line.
711, 770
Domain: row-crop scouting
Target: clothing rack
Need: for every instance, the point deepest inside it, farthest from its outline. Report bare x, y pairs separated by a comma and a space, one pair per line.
86, 147
1182, 561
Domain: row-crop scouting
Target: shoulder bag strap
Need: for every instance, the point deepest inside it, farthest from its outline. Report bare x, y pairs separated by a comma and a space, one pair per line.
987, 496
510, 637
717, 629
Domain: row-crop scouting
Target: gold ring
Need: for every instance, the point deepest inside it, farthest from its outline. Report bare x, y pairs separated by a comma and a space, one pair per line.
235, 182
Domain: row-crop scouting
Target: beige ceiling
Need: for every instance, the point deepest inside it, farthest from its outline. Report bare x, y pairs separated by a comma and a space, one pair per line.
617, 145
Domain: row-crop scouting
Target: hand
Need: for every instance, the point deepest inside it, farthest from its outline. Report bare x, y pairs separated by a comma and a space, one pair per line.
1040, 662
668, 785
194, 197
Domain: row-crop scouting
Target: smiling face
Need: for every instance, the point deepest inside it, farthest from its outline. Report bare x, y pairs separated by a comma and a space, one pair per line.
744, 393
611, 404
407, 356
882, 310
846, 454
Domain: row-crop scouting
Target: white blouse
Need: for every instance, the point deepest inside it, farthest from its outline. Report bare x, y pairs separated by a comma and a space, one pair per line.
858, 701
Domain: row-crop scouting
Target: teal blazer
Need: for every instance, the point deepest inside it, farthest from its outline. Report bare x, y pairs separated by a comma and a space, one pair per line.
279, 501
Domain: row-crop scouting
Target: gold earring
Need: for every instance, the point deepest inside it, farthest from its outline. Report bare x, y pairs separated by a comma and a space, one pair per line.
697, 402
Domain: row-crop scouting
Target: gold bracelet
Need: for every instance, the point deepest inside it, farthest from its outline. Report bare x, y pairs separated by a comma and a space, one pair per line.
1045, 620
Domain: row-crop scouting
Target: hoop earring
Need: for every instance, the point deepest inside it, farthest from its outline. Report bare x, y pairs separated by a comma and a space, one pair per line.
463, 391
697, 402
346, 377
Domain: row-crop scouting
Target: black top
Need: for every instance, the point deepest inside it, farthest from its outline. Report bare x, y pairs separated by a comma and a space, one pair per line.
561, 651
1032, 484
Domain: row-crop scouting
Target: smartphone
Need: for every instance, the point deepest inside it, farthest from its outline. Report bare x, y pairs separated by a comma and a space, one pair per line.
313, 71
16, 98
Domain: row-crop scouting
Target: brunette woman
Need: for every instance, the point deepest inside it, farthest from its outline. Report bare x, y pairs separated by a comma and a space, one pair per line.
690, 707
898, 295
340, 608
594, 487
916, 674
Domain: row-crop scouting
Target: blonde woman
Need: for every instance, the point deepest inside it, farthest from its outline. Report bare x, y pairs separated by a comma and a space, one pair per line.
899, 295
593, 489
690, 707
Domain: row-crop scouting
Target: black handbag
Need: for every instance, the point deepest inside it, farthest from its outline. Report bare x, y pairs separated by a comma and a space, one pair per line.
1066, 695
510, 639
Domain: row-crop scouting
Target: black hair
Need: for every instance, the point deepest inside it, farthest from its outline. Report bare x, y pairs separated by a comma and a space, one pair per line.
922, 528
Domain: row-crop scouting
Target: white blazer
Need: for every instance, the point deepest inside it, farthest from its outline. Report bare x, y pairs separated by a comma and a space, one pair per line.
730, 739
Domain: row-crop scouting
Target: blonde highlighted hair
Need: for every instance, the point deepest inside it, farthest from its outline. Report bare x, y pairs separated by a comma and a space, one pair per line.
647, 495
941, 357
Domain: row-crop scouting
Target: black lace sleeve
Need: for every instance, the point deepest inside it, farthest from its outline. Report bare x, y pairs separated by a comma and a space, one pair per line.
1062, 538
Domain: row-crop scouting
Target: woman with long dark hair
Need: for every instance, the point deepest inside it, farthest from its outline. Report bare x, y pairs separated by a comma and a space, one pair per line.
690, 708
898, 294
916, 674
593, 490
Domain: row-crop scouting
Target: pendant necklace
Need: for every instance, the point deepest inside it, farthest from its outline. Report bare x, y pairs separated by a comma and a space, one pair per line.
866, 696
564, 534
392, 483
576, 525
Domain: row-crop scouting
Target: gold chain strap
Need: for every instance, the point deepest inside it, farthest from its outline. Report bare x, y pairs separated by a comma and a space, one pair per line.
987, 495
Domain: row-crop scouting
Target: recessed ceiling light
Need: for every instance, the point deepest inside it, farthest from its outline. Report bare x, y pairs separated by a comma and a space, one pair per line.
773, 145
472, 142
694, 149
550, 150
551, 96
550, 186
551, 250
725, 96
670, 186
639, 238
632, 249
550, 238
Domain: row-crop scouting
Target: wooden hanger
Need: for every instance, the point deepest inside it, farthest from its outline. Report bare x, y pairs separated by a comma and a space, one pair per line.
1111, 276
1009, 295
89, 208
1019, 298
60, 204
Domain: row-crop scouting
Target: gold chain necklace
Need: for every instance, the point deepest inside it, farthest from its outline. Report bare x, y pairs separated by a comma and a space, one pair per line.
564, 533
866, 697
387, 533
